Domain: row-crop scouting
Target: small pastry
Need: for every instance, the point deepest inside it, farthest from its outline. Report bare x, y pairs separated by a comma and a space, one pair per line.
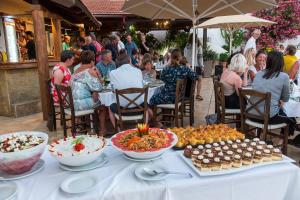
237, 161
205, 165
200, 147
215, 144
210, 156
229, 142
226, 162
197, 162
225, 148
267, 155
276, 154
239, 151
229, 153
195, 154
270, 147
259, 148
208, 151
246, 140
256, 140
234, 147
253, 144
216, 165
262, 143
222, 143
247, 158
243, 146
221, 154
238, 141
187, 152
208, 146
258, 157
217, 149
250, 149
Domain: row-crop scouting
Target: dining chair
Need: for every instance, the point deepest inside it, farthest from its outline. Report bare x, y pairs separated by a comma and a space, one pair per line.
133, 110
54, 111
173, 111
225, 116
80, 120
189, 101
259, 119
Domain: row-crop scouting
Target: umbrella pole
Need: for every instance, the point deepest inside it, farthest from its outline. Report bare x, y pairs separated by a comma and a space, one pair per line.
230, 42
194, 47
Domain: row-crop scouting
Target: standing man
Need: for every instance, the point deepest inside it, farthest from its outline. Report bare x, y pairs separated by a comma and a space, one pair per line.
251, 43
98, 47
106, 65
144, 45
130, 45
66, 43
89, 45
120, 43
30, 46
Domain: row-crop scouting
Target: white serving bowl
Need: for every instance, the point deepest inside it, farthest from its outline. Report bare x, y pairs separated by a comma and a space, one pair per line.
22, 161
62, 151
145, 154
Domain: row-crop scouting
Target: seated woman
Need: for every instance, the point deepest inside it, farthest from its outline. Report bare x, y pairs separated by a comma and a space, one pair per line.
232, 81
273, 80
169, 75
61, 75
260, 63
85, 86
149, 74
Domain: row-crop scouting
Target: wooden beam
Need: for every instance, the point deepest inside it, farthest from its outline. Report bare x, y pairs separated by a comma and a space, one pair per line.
56, 31
42, 56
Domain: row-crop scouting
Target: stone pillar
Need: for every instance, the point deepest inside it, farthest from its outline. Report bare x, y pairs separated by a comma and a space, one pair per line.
42, 56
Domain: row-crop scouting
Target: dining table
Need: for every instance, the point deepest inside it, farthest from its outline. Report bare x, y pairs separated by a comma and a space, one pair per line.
108, 96
118, 182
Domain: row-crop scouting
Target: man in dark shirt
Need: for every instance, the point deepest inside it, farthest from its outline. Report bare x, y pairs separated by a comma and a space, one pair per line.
144, 45
89, 45
30, 46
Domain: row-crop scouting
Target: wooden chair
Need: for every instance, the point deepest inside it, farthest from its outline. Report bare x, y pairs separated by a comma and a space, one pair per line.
54, 110
189, 101
87, 117
133, 111
250, 113
174, 111
222, 112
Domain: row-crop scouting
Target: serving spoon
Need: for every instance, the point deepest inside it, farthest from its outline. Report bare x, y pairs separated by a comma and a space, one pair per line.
153, 172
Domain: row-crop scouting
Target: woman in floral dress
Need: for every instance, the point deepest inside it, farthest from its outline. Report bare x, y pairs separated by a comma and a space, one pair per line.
169, 76
61, 75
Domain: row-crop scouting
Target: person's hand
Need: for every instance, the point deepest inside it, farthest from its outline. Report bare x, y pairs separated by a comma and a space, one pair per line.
95, 96
281, 103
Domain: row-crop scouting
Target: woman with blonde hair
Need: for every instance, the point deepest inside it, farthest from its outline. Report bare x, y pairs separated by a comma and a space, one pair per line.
232, 81
250, 57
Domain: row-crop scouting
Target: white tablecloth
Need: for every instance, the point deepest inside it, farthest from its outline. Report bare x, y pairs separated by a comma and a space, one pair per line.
277, 182
292, 108
108, 98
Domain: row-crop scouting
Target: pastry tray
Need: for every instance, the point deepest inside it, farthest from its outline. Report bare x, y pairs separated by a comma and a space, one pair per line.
189, 162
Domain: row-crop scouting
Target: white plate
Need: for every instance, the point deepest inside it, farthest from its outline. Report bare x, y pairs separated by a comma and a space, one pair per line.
232, 170
102, 160
141, 174
8, 191
142, 160
79, 183
35, 169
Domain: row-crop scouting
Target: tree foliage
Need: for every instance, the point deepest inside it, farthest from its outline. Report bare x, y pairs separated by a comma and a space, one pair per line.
287, 17
237, 38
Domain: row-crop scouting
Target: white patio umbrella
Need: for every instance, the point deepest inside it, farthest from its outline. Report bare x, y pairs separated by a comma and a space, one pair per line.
232, 23
193, 9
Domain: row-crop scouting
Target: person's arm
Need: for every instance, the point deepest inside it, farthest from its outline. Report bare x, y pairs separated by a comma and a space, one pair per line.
145, 46
294, 70
93, 82
154, 74
285, 94
58, 76
163, 74
191, 74
238, 84
252, 74
245, 78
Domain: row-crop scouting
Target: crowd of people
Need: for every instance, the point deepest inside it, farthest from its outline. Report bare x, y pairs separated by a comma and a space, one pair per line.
264, 72
124, 65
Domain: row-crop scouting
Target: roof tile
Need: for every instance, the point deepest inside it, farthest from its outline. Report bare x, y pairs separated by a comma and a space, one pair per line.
105, 7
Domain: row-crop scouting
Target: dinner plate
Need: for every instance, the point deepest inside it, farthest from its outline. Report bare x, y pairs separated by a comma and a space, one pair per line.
141, 174
8, 190
102, 160
79, 183
35, 169
142, 160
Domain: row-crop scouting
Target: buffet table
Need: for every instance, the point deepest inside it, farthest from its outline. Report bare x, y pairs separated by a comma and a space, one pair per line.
118, 182
108, 97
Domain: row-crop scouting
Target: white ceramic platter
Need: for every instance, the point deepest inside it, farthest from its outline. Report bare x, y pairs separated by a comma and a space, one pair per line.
79, 183
141, 174
232, 170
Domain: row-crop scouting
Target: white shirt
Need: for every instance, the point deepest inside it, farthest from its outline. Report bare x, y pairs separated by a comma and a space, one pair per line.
120, 45
188, 53
126, 77
251, 43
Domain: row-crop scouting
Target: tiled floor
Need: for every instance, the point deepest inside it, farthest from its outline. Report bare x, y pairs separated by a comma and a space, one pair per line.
202, 108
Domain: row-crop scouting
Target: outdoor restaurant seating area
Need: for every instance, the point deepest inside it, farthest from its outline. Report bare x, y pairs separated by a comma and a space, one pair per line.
117, 113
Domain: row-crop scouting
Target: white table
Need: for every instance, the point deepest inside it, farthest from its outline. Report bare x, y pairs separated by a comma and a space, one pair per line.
277, 182
108, 98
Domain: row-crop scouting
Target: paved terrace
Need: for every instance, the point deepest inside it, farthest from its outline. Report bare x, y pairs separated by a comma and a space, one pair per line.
202, 108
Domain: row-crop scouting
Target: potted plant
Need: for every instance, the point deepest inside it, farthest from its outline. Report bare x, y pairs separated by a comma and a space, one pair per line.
209, 56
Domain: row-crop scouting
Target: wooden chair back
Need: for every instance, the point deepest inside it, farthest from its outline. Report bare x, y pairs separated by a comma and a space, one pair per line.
51, 102
250, 100
180, 92
66, 102
219, 101
132, 106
